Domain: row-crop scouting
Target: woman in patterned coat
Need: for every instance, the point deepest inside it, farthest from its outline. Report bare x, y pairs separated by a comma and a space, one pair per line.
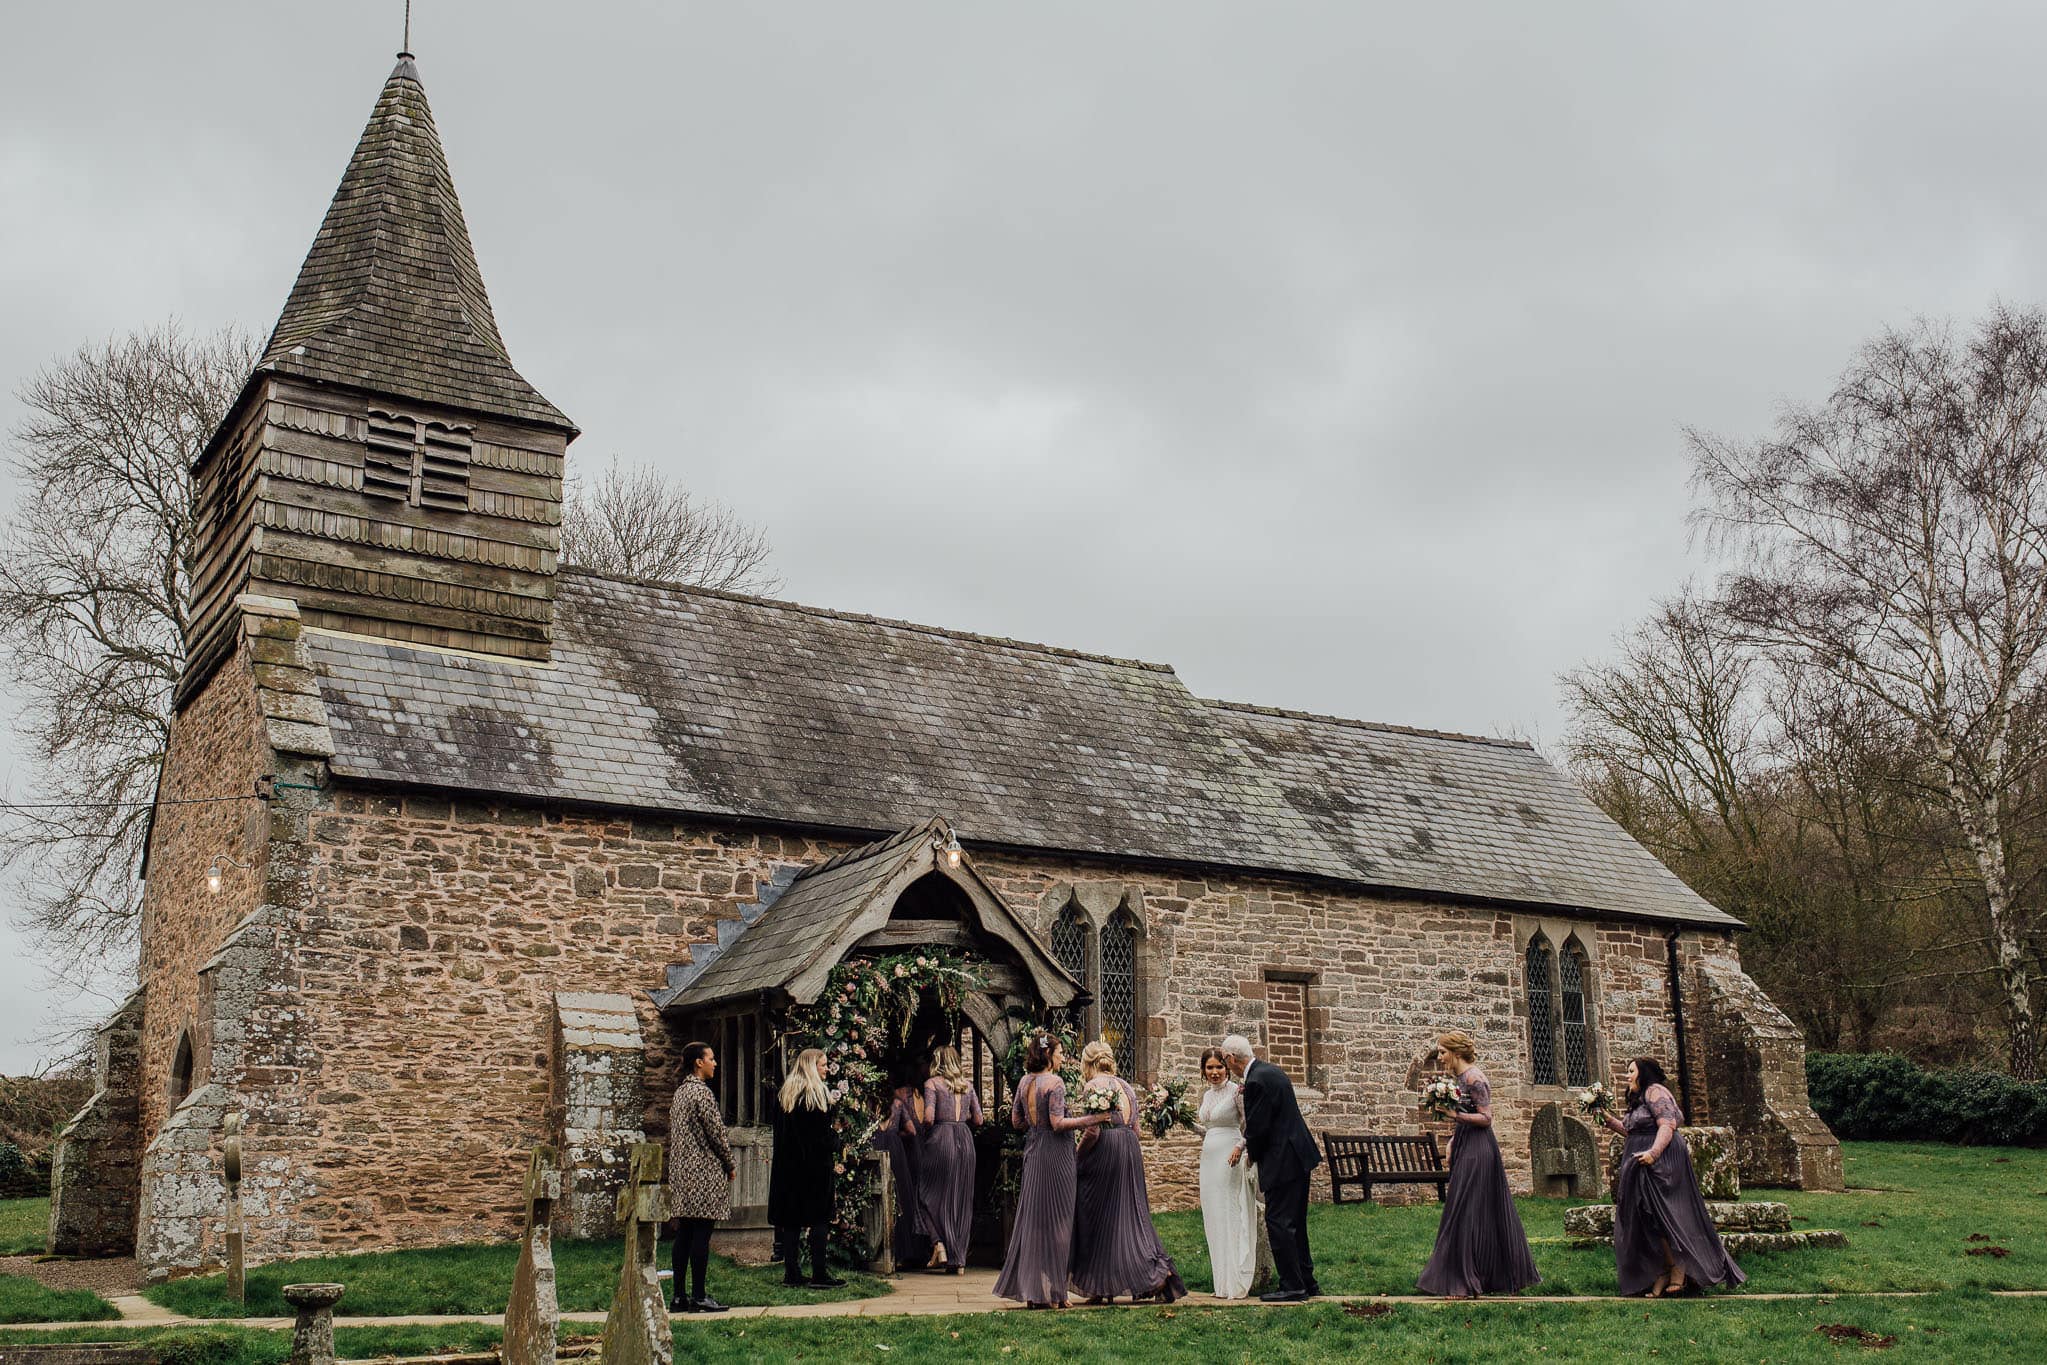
699, 1175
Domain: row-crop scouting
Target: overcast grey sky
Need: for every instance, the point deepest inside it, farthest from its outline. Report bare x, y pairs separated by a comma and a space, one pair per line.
1337, 354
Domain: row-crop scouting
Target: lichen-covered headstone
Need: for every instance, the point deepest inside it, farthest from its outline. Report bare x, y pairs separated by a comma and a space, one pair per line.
1716, 1160
312, 1336
1563, 1154
637, 1331
534, 1313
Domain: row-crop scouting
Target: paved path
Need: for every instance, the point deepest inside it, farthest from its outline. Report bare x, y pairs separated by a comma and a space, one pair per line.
918, 1295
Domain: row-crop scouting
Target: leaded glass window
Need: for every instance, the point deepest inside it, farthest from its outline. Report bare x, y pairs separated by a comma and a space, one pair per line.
1542, 1018
1119, 991
1069, 945
1577, 1039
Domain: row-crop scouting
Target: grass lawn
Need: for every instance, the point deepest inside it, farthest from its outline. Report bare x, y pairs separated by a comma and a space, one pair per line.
1960, 1326
23, 1300
1909, 1214
474, 1279
240, 1346
24, 1226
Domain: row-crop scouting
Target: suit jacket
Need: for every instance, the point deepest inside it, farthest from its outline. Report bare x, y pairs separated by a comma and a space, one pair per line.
1276, 1138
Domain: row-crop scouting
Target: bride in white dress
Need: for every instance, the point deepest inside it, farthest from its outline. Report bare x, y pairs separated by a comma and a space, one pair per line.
1229, 1202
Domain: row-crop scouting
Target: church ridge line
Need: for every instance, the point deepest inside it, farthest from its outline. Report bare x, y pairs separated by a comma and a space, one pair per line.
866, 619
1383, 727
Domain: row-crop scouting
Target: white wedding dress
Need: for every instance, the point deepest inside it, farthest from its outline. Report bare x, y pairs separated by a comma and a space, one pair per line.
1229, 1202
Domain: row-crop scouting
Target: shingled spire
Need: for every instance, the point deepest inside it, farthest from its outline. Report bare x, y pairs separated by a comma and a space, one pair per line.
390, 298
386, 469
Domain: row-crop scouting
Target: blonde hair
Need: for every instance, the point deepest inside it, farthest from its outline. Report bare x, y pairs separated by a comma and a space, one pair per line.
805, 1083
947, 1066
1098, 1056
1458, 1044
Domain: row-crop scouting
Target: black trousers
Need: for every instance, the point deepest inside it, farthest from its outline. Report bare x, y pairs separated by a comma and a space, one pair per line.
1286, 1227
692, 1247
792, 1251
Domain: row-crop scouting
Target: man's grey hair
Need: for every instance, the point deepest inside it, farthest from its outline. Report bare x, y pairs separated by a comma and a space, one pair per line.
1237, 1045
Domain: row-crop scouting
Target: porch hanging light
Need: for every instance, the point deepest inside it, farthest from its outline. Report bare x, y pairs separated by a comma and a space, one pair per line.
949, 846
214, 870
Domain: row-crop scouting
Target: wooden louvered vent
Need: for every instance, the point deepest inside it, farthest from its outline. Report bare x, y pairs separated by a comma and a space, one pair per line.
422, 464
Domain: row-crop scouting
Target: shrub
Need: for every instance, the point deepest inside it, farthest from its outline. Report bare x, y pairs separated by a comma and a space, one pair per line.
13, 1166
1884, 1095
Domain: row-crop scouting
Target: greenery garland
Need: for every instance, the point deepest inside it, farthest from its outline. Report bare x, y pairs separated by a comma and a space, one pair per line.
866, 1009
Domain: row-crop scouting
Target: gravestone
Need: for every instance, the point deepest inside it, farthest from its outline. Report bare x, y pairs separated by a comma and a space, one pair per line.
312, 1336
231, 1170
534, 1312
1716, 1160
1564, 1155
636, 1330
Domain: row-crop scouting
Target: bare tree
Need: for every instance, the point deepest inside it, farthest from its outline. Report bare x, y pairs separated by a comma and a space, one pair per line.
637, 524
93, 598
1894, 539
1770, 797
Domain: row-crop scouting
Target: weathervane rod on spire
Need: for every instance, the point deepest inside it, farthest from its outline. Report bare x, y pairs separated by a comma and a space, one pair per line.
406, 49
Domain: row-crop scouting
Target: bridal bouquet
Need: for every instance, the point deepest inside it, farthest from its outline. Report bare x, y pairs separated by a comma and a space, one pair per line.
1100, 1099
1596, 1100
1441, 1097
1165, 1105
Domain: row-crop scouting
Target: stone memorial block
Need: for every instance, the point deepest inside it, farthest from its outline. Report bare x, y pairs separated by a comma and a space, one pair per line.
534, 1311
1564, 1154
1716, 1160
312, 1336
637, 1331
598, 1062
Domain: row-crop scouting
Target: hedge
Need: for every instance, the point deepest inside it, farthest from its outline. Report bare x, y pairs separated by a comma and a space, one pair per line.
1884, 1095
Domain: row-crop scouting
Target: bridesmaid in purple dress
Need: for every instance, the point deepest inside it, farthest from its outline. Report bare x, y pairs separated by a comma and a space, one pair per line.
901, 1138
1480, 1247
1116, 1250
952, 1110
1664, 1241
1040, 1261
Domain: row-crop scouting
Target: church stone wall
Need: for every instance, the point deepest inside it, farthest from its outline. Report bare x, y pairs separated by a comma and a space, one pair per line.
1385, 975
436, 934
217, 749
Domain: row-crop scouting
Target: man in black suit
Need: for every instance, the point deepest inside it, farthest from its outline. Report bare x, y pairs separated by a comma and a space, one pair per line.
1277, 1141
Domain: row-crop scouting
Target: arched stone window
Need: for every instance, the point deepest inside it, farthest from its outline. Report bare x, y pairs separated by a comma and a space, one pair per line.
180, 1084
1119, 1012
1571, 973
1542, 1014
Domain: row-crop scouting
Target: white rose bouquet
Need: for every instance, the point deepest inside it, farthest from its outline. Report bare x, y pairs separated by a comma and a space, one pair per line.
1596, 1100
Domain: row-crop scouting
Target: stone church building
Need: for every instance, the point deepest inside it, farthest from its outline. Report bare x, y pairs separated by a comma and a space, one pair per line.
457, 845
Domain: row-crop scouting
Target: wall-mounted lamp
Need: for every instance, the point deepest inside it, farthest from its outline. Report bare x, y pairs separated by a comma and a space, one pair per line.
222, 861
950, 847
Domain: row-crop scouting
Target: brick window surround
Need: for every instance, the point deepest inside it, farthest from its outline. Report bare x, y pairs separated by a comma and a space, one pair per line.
1286, 1025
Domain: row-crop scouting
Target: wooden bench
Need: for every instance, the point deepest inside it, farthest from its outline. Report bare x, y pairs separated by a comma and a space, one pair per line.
1364, 1161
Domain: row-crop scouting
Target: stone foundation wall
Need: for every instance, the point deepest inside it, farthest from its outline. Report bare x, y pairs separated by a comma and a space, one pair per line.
95, 1174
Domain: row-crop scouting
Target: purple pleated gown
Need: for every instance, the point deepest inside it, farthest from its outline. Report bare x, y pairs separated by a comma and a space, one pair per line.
899, 1138
1039, 1265
1116, 1250
947, 1167
1480, 1247
1663, 1201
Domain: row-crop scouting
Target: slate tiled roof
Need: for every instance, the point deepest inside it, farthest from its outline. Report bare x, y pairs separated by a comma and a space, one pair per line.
690, 701
390, 297
804, 921
1457, 814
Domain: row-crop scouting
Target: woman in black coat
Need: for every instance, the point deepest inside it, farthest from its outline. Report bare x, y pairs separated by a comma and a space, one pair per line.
800, 1182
